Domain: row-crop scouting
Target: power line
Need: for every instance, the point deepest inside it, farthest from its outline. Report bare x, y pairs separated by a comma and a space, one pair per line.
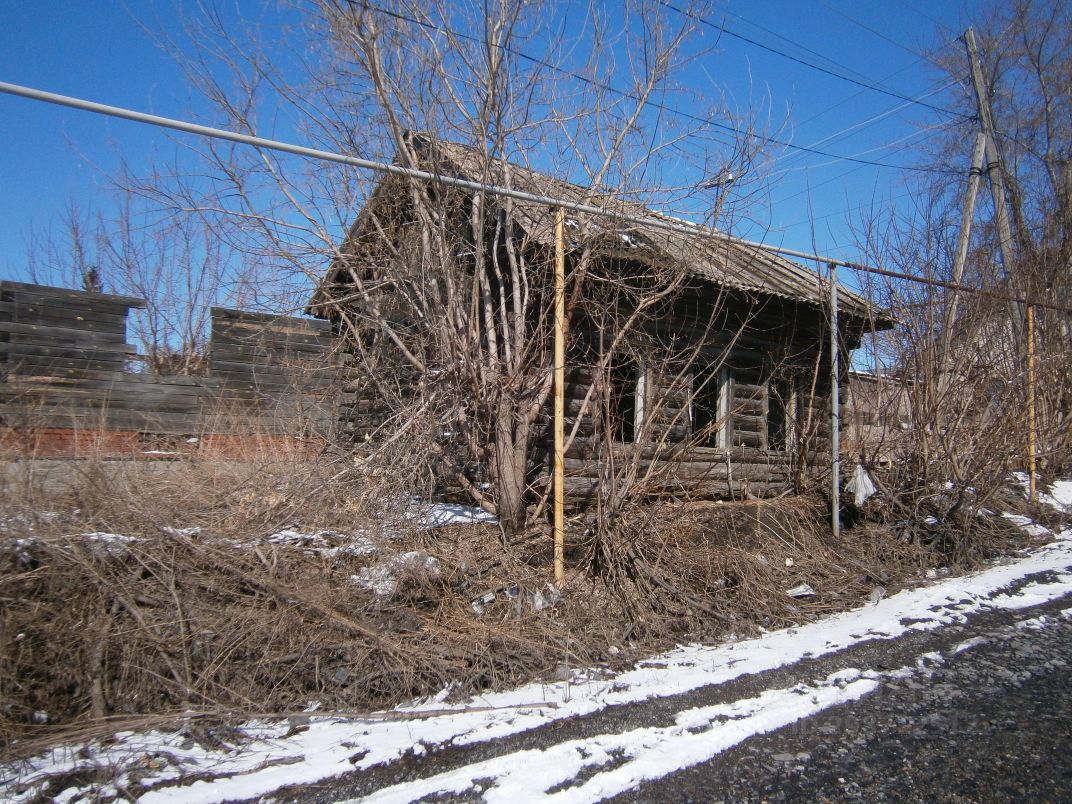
797, 44
837, 135
606, 87
865, 84
654, 220
897, 145
880, 35
840, 176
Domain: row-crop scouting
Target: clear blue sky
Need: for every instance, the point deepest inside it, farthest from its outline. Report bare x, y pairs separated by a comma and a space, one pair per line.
98, 50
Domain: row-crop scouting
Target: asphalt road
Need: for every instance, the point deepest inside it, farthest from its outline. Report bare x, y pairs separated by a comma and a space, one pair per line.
980, 711
990, 723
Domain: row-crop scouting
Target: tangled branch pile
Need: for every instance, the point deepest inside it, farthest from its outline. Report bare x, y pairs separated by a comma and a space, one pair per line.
117, 607
161, 595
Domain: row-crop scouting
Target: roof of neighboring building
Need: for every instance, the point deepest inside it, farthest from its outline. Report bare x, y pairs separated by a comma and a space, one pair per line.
708, 254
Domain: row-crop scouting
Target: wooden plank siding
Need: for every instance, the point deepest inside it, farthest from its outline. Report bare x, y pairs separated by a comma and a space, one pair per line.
66, 365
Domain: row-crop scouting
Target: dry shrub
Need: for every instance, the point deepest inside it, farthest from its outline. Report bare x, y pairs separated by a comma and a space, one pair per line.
956, 524
708, 568
164, 623
152, 591
356, 609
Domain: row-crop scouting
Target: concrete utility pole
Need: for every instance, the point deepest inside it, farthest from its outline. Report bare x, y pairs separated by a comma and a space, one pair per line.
996, 171
962, 244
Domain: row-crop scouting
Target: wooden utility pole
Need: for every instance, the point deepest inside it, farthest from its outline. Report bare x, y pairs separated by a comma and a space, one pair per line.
1031, 448
996, 171
560, 393
994, 167
962, 244
835, 410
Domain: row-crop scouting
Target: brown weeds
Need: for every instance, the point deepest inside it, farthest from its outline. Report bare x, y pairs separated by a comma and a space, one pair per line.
212, 588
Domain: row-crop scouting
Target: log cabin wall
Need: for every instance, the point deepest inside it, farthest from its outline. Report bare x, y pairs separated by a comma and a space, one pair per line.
69, 383
726, 397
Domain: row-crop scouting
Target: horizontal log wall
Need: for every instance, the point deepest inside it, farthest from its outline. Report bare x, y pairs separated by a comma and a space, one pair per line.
668, 464
66, 366
734, 346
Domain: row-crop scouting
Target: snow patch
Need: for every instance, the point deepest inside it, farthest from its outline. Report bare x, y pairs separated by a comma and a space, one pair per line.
1027, 524
438, 515
382, 578
268, 758
633, 757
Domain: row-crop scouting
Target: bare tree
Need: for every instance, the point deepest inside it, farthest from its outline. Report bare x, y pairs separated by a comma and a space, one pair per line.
175, 263
958, 362
445, 302
1025, 48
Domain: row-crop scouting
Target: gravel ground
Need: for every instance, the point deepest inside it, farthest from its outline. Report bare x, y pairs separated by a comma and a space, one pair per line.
991, 723
984, 713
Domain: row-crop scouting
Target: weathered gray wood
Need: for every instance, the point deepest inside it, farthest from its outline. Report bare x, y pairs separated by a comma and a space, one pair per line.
37, 349
42, 333
579, 489
90, 321
67, 360
23, 288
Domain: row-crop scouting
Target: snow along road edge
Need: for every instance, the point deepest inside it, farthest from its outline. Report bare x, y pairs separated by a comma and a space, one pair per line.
331, 746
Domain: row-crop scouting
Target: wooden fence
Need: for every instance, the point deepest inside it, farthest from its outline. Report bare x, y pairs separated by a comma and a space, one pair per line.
70, 381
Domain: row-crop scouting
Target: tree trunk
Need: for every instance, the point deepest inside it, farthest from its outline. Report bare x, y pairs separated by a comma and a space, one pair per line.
511, 445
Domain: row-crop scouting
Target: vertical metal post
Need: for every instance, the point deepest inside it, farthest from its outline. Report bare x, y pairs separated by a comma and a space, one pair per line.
835, 409
1031, 447
560, 383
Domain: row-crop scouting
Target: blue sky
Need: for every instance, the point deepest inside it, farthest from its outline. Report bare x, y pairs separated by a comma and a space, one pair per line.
99, 50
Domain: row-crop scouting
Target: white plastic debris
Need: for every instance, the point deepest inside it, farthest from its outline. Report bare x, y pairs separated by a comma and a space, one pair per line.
485, 599
552, 594
180, 532
802, 590
860, 485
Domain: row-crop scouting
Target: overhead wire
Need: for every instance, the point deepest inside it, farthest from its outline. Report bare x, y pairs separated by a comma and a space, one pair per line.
892, 144
794, 43
653, 220
919, 56
833, 73
604, 86
864, 124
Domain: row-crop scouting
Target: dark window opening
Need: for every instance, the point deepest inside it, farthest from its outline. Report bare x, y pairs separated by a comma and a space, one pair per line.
706, 408
779, 399
623, 408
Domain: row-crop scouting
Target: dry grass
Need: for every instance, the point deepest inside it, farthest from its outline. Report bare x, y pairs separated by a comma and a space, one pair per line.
233, 620
230, 617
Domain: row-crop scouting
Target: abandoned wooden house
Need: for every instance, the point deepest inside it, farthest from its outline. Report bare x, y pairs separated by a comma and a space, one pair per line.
696, 366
